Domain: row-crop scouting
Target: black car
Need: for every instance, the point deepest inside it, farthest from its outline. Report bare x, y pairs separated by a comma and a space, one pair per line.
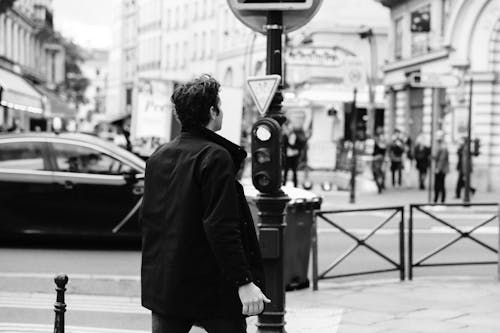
68, 184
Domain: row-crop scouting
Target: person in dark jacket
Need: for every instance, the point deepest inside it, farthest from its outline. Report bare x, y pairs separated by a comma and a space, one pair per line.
201, 261
422, 154
396, 150
442, 168
462, 168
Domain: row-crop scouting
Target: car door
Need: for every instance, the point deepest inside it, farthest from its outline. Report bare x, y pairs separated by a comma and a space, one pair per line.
97, 191
26, 191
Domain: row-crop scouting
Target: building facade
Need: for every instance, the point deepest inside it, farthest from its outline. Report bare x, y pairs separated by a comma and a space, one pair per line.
457, 37
172, 41
30, 62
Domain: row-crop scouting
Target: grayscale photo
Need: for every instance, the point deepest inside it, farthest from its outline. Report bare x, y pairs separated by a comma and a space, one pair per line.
249, 166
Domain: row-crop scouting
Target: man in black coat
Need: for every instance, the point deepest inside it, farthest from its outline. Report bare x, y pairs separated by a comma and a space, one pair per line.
201, 261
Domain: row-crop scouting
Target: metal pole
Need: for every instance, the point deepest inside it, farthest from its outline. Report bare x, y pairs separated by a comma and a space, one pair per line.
410, 245
354, 123
272, 206
314, 244
435, 105
402, 245
468, 157
372, 110
59, 305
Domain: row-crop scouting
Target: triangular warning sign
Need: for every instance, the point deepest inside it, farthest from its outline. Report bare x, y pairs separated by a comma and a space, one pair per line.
262, 89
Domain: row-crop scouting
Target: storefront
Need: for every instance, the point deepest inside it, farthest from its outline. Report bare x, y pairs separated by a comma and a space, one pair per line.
19, 100
469, 48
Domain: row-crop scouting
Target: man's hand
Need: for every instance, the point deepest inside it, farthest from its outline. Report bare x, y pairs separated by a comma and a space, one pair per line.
252, 299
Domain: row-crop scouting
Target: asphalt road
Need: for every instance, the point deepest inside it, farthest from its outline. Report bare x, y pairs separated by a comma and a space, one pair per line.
104, 286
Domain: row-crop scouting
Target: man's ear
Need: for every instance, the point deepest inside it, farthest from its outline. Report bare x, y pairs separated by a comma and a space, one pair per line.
213, 114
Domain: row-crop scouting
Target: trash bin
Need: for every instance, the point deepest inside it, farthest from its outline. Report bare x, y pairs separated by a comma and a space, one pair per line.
299, 219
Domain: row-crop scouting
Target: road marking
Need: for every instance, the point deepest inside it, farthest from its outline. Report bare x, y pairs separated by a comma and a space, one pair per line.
39, 328
432, 230
134, 278
74, 302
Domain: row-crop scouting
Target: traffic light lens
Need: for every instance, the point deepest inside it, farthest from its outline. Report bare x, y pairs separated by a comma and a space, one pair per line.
263, 133
263, 180
263, 156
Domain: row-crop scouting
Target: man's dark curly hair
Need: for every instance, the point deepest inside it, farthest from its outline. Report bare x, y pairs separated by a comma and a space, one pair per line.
192, 101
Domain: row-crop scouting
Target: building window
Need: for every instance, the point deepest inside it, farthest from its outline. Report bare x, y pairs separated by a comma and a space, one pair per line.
186, 15
446, 10
169, 19
128, 96
420, 30
195, 45
184, 53
167, 58
203, 42
398, 38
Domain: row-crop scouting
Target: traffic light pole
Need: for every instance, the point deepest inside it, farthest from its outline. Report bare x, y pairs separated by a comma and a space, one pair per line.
272, 206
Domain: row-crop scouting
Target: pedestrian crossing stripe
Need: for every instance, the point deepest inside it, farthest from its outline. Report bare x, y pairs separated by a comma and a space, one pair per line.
74, 302
40, 328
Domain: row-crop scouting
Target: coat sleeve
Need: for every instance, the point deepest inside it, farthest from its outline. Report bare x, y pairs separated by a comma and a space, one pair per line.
221, 218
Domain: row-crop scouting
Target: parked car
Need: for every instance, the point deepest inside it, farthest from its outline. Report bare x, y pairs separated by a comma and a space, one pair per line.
68, 184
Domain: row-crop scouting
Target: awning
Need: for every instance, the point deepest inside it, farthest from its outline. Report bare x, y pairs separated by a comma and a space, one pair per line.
18, 93
332, 94
54, 106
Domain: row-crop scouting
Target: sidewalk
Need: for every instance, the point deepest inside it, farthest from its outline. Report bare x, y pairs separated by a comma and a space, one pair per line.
423, 305
366, 196
426, 304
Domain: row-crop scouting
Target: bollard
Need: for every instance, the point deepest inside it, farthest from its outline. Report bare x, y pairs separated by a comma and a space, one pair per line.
59, 306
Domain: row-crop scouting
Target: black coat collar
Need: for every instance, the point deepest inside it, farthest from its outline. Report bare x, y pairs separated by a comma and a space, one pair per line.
238, 154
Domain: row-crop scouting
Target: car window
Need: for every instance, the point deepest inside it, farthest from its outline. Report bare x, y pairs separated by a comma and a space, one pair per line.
22, 156
79, 159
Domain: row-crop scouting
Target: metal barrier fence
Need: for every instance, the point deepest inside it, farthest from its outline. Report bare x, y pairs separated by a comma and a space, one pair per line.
397, 210
461, 235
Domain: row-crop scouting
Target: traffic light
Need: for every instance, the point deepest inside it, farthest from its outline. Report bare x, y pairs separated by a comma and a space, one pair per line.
272, 4
266, 155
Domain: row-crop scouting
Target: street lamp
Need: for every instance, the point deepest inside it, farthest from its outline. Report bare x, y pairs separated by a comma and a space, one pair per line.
367, 33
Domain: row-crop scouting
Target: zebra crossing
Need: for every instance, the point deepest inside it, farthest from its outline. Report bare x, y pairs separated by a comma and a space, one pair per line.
299, 320
41, 328
74, 302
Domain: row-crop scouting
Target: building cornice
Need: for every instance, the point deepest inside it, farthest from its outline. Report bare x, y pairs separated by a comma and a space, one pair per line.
437, 55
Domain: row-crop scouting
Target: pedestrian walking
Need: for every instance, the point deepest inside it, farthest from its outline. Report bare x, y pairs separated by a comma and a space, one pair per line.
379, 153
421, 153
462, 168
396, 150
201, 261
442, 168
16, 126
294, 140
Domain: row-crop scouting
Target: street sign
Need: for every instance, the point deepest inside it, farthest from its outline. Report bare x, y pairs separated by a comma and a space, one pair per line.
262, 89
273, 5
293, 19
434, 80
355, 74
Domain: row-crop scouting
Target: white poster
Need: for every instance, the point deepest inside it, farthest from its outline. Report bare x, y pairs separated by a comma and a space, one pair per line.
154, 109
232, 107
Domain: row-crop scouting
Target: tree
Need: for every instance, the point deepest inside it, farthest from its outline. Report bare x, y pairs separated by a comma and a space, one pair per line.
5, 5
75, 83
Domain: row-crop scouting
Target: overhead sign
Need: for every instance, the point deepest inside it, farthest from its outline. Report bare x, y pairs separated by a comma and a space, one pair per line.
154, 109
262, 89
273, 5
293, 18
317, 56
434, 80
